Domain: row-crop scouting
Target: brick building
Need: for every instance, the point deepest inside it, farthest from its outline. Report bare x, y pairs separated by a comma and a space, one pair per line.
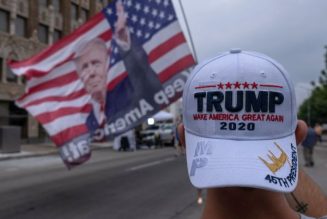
27, 27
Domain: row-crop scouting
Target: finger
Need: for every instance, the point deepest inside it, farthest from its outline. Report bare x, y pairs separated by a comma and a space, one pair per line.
301, 131
181, 134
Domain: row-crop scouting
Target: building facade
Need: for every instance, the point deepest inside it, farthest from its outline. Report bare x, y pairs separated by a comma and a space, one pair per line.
26, 28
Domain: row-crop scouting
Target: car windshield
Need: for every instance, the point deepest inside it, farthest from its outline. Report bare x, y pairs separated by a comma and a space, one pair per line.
167, 126
152, 127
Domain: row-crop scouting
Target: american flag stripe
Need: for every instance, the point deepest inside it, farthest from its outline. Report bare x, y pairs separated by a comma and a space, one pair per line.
169, 58
69, 133
55, 73
58, 99
48, 117
56, 126
61, 91
178, 65
56, 82
54, 105
32, 74
160, 37
171, 43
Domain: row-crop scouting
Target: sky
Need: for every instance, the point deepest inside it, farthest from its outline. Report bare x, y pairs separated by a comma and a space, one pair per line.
293, 32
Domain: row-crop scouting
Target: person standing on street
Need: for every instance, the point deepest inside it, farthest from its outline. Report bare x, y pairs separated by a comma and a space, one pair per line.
308, 146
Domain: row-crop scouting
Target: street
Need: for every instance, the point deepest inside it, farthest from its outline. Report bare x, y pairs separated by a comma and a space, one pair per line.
142, 184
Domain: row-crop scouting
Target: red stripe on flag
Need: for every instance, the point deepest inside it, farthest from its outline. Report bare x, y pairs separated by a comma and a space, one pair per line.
61, 43
47, 117
106, 36
178, 66
112, 84
68, 134
38, 74
165, 47
69, 97
55, 83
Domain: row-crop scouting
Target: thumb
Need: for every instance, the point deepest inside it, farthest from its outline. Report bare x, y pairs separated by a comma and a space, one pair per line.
301, 131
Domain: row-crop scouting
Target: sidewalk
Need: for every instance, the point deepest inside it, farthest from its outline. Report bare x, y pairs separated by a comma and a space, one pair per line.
43, 149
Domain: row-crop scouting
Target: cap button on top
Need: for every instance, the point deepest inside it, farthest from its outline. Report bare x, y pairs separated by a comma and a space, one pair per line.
236, 50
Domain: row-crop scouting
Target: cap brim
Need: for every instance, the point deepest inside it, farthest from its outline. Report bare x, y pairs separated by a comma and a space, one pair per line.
265, 164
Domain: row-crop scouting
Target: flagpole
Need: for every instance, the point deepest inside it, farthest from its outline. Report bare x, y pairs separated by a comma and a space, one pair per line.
188, 31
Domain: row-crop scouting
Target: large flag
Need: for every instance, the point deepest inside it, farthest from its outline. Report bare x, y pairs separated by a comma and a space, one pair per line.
106, 77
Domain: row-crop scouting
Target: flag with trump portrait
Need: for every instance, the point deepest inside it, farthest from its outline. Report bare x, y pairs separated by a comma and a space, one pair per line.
123, 65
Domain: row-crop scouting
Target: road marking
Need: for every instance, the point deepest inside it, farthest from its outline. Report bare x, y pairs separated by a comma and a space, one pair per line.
146, 165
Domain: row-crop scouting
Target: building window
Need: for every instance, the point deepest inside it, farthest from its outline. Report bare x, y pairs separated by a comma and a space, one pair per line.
103, 2
43, 32
4, 21
56, 5
56, 35
11, 77
43, 3
21, 26
84, 15
74, 11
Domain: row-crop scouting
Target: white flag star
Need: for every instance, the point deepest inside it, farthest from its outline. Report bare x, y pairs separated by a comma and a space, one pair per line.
139, 33
134, 18
151, 25
146, 9
129, 3
162, 15
109, 11
142, 21
154, 12
158, 25
138, 6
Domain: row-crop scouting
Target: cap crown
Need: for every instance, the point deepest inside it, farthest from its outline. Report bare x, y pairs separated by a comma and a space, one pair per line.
240, 96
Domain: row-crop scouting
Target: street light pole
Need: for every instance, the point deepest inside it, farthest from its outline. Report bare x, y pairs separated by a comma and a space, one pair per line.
188, 31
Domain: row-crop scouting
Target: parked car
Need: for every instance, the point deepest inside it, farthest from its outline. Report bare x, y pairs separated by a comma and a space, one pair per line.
158, 135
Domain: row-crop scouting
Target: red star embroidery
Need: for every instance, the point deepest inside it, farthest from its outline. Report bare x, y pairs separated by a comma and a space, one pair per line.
220, 86
228, 85
254, 85
237, 85
245, 85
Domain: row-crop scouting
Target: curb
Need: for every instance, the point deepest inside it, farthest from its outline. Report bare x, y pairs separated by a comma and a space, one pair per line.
27, 154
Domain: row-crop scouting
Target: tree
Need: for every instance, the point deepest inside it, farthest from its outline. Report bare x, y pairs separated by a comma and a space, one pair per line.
314, 109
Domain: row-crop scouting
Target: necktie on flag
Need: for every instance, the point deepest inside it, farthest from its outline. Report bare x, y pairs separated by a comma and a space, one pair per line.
142, 51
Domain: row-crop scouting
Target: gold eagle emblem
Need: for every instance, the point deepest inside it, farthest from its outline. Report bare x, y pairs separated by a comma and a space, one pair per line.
276, 162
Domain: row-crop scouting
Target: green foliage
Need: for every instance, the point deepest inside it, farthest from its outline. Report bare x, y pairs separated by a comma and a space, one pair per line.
314, 109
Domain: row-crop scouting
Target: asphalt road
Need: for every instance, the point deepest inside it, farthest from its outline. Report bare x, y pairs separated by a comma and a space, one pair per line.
143, 184
116, 185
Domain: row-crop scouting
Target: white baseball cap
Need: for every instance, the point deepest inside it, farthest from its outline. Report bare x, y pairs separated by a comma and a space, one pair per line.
239, 115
